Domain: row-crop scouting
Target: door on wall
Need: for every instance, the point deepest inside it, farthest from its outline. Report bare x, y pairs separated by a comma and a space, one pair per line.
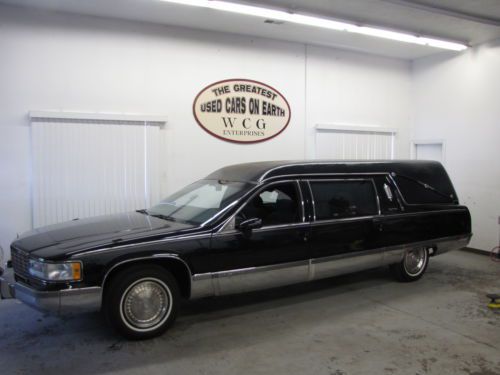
429, 151
354, 143
88, 167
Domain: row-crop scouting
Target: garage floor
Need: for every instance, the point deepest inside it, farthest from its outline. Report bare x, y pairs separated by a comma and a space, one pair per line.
358, 324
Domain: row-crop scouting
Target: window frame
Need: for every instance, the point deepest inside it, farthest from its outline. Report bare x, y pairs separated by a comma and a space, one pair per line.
354, 179
257, 191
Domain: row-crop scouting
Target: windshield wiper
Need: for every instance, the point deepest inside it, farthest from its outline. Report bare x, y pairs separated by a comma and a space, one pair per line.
159, 216
163, 217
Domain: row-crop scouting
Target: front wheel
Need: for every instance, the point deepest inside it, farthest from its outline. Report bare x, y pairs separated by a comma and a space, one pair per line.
142, 301
413, 265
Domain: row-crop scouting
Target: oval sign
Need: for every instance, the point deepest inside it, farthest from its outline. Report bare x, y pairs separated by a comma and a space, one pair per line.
241, 110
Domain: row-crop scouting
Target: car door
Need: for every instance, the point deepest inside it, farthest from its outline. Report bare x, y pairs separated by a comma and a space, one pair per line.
345, 225
274, 254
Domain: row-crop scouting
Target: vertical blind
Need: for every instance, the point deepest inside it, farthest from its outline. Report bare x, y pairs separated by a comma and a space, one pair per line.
346, 144
88, 167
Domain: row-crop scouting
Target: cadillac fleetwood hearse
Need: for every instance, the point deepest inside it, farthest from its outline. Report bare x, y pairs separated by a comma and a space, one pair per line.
242, 228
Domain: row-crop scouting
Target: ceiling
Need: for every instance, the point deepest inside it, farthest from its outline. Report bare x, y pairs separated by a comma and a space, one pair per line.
468, 21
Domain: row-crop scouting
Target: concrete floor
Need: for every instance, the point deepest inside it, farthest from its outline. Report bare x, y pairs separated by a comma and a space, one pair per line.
358, 324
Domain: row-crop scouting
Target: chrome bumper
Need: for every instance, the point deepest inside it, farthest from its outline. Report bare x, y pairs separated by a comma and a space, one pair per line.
61, 302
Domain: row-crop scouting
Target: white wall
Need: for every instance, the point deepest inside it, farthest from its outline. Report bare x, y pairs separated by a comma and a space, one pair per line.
456, 98
67, 62
356, 89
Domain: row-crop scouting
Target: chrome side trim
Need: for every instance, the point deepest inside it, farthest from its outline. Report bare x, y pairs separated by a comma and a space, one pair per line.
256, 278
281, 226
421, 213
342, 264
309, 175
249, 279
263, 177
203, 285
344, 219
230, 283
263, 229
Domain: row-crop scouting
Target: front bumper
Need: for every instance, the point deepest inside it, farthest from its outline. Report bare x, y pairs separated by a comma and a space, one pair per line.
61, 302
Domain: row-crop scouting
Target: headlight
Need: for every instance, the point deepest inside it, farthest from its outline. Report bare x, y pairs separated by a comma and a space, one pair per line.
68, 271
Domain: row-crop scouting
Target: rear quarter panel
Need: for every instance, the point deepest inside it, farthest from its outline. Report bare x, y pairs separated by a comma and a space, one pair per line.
426, 223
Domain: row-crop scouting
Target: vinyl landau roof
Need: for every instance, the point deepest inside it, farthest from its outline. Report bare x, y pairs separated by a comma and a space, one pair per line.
428, 172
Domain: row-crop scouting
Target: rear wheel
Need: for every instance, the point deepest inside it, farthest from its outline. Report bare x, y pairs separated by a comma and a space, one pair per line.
412, 266
142, 301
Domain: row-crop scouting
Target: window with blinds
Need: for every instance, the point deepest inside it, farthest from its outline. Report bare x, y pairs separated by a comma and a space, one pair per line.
88, 165
343, 143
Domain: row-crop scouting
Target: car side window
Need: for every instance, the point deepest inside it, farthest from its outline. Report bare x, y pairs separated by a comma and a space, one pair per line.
343, 199
415, 192
275, 205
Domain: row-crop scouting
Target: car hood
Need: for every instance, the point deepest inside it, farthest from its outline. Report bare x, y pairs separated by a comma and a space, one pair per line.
60, 240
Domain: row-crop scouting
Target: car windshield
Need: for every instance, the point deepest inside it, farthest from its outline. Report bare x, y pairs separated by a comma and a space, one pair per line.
200, 201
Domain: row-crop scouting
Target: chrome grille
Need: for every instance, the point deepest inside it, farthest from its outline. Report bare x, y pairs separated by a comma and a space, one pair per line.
20, 262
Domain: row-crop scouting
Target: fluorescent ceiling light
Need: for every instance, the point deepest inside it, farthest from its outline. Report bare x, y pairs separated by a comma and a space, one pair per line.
324, 23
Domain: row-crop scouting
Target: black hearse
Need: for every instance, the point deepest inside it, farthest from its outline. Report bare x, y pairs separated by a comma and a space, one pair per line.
244, 227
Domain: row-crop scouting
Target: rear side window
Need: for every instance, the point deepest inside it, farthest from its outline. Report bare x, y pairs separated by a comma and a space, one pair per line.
418, 193
341, 199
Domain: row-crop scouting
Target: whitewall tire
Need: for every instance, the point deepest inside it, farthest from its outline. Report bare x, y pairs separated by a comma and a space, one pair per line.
141, 301
412, 266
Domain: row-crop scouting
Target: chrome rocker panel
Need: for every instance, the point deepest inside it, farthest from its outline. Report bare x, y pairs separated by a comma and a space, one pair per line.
257, 278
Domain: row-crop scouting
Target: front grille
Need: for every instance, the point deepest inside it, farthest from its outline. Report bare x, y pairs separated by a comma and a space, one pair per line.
20, 262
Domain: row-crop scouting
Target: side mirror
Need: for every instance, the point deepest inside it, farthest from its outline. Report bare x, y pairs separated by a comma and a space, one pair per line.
250, 224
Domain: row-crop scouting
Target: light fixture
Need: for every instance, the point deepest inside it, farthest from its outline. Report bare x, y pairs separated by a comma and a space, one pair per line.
324, 23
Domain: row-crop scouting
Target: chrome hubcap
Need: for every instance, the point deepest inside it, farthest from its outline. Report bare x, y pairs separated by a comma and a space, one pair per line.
146, 303
415, 261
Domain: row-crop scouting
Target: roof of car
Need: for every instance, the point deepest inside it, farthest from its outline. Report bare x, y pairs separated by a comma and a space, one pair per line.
263, 170
428, 172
